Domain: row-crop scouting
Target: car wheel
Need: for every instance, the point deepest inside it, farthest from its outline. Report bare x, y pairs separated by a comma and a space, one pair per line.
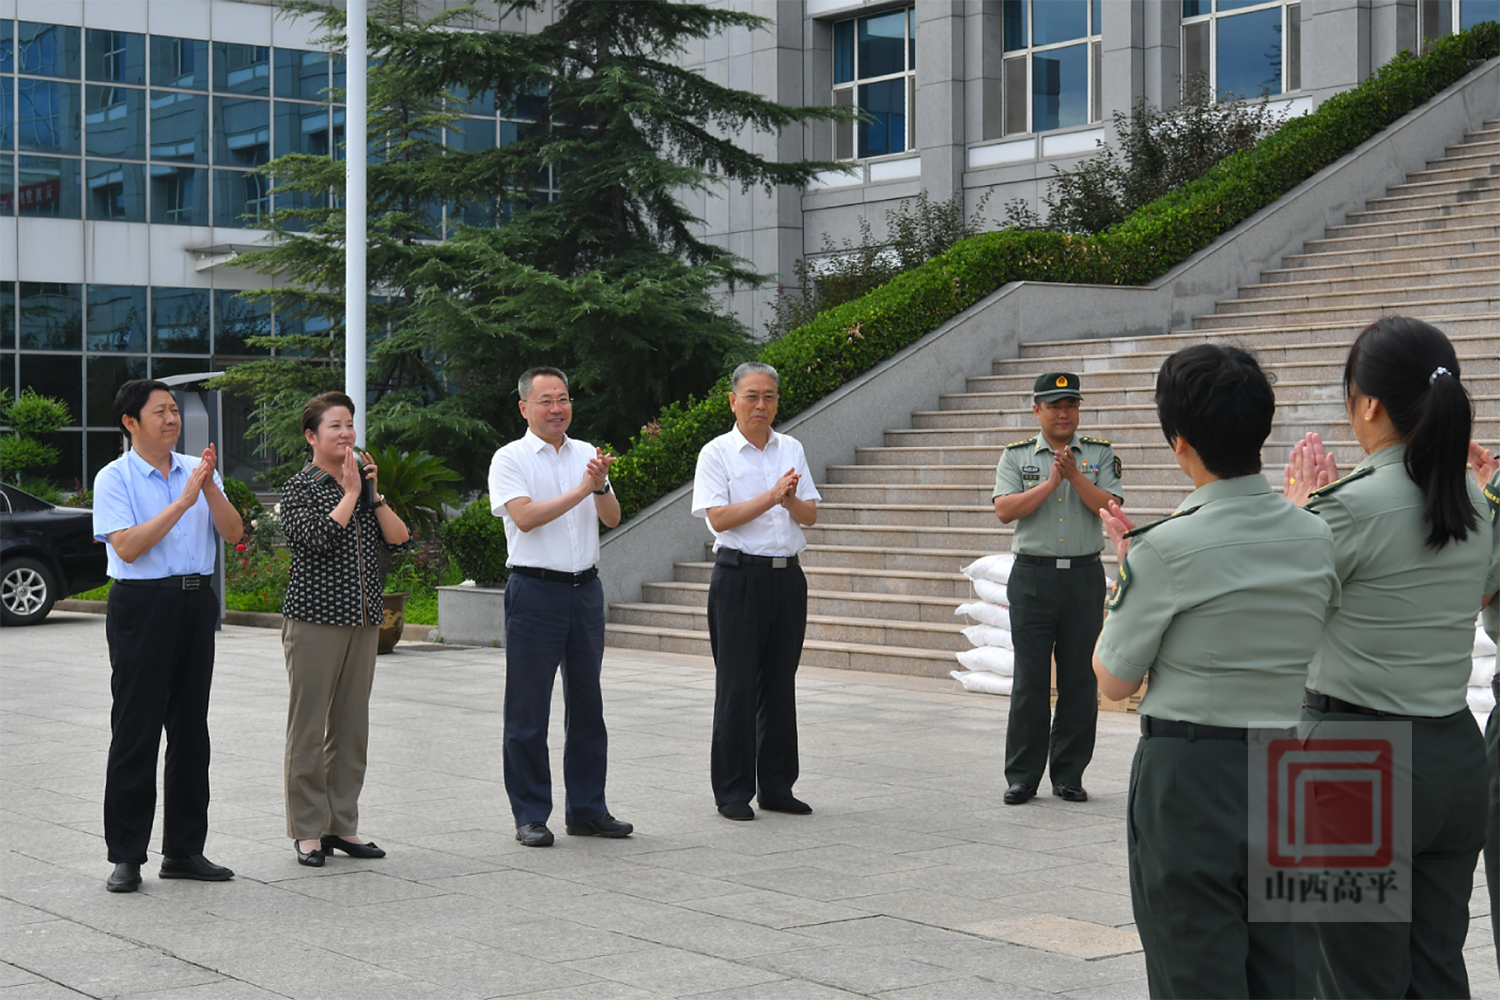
27, 591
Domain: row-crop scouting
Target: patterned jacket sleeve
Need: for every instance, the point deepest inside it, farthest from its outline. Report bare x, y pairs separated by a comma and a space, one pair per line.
306, 526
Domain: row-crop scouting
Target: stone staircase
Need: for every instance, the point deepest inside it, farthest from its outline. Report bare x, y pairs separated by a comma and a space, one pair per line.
893, 529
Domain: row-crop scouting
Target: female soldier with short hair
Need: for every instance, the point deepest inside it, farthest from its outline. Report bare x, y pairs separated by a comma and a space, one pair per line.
1413, 557
1220, 602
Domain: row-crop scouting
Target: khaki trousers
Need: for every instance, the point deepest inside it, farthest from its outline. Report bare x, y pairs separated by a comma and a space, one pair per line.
331, 669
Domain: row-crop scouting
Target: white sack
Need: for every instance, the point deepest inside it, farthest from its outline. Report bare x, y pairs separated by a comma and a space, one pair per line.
990, 659
989, 614
1483, 644
1484, 670
995, 569
1481, 700
990, 591
988, 635
984, 683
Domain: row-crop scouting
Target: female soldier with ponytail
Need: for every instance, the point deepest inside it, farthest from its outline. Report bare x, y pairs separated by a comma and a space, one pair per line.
1413, 551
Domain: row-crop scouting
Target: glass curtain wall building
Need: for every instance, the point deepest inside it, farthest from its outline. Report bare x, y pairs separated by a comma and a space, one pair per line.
131, 131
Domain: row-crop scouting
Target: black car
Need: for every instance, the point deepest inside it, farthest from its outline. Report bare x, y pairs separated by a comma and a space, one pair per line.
47, 553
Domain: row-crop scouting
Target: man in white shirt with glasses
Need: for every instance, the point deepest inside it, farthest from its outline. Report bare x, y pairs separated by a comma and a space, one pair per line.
753, 487
552, 492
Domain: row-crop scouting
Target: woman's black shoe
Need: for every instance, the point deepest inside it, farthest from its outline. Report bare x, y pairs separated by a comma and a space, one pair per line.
312, 858
367, 850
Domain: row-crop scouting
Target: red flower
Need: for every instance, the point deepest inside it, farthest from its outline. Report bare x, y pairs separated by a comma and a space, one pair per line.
240, 547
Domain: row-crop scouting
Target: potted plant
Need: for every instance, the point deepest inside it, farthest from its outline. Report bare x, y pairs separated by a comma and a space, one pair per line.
416, 486
473, 613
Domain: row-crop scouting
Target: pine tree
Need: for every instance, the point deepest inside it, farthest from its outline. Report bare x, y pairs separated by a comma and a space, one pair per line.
598, 272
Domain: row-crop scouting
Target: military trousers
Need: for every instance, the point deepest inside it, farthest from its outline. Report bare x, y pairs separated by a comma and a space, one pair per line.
1054, 613
1187, 834
1423, 958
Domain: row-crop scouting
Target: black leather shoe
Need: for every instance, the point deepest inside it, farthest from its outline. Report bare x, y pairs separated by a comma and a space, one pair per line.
1018, 793
125, 878
604, 826
736, 810
197, 867
1070, 793
786, 804
367, 850
534, 835
312, 858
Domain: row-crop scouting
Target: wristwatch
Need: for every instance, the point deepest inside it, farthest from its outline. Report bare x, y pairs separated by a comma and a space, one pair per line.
380, 500
608, 488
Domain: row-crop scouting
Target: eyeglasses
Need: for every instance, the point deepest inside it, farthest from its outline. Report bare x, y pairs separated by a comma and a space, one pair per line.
754, 397
547, 402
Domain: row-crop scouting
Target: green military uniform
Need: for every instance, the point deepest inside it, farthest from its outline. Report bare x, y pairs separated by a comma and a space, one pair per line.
1491, 619
1055, 610
1401, 643
1221, 602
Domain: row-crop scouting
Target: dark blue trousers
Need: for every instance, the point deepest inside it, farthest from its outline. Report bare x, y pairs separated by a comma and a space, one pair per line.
548, 625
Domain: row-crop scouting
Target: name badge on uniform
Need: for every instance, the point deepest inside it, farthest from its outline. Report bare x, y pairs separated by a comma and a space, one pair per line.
1031, 472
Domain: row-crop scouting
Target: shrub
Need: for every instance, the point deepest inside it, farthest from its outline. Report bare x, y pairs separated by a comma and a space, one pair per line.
244, 500
30, 417
255, 580
846, 341
475, 541
416, 485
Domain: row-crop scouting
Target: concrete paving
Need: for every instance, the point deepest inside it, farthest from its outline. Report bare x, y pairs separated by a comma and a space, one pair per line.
910, 880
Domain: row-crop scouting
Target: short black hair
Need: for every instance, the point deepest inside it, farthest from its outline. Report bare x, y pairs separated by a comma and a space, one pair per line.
1220, 402
131, 399
523, 384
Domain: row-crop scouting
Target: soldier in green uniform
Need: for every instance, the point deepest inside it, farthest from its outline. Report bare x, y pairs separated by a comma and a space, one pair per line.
1487, 471
1220, 602
1414, 551
1052, 486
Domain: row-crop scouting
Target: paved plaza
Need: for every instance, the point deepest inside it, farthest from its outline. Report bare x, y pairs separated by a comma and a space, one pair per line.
910, 880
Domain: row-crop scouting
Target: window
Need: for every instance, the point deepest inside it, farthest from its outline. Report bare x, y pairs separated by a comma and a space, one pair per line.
116, 192
1050, 73
115, 120
47, 187
179, 62
874, 69
1444, 17
179, 195
1242, 48
115, 56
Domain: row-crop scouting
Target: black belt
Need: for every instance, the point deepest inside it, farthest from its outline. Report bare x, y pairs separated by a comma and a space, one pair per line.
557, 576
734, 557
1054, 562
1328, 703
1191, 730
193, 581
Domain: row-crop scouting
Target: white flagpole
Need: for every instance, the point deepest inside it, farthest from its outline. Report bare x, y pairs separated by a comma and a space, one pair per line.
355, 159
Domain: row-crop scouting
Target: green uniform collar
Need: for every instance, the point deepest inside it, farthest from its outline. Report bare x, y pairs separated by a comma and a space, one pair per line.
1223, 489
1042, 444
1389, 455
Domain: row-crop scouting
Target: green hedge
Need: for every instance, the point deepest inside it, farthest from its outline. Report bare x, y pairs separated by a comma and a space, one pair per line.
847, 341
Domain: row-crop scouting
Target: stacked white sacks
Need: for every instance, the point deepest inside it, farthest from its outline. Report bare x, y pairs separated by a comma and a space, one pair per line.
1481, 696
991, 662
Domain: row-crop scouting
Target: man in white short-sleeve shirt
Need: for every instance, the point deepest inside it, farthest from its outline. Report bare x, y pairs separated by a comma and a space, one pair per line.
753, 487
552, 492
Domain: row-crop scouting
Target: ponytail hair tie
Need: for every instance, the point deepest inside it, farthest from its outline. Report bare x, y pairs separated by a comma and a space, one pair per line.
1440, 371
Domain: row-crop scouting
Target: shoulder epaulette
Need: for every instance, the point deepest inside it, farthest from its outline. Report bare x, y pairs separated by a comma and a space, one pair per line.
1492, 494
1340, 483
1017, 444
1093, 440
1133, 532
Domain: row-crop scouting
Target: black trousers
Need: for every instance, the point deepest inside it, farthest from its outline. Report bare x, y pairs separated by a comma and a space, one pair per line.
1187, 834
1492, 824
161, 656
757, 617
1425, 957
547, 625
1054, 613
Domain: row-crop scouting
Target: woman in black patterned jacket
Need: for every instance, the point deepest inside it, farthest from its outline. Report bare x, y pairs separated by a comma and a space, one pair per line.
330, 630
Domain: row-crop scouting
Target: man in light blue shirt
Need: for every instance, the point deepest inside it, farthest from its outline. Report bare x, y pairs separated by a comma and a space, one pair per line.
157, 512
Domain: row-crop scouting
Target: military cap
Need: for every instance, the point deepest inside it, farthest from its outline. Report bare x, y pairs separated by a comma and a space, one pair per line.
1053, 386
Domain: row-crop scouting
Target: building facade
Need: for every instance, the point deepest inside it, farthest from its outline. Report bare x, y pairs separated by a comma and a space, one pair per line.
128, 129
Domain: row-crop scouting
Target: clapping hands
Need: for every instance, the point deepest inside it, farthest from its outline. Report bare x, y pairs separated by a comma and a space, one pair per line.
1483, 462
786, 487
1116, 524
1309, 467
200, 477
596, 475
